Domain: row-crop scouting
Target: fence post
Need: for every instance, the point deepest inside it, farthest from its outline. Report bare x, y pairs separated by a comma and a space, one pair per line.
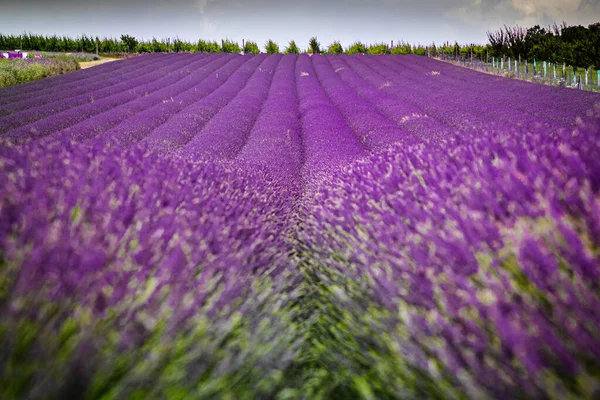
96, 46
554, 74
579, 85
544, 69
586, 76
509, 64
526, 69
517, 69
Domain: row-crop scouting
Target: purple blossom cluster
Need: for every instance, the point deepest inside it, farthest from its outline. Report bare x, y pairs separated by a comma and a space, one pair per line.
221, 223
125, 246
485, 248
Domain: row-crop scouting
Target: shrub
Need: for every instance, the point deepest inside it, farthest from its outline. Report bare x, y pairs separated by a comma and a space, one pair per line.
229, 46
292, 48
208, 47
378, 48
357, 48
15, 71
335, 48
271, 47
251, 48
7, 78
401, 48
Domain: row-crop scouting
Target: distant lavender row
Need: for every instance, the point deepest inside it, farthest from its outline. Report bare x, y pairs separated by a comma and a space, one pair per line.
275, 141
44, 120
226, 133
60, 92
185, 125
7, 95
124, 118
117, 85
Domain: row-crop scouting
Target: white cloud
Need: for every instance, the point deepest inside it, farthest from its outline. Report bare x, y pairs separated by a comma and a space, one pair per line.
202, 5
527, 12
208, 25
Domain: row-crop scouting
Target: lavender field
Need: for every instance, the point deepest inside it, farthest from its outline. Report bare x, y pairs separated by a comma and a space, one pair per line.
178, 226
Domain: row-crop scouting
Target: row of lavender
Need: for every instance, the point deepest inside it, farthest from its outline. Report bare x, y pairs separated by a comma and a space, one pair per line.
382, 99
222, 212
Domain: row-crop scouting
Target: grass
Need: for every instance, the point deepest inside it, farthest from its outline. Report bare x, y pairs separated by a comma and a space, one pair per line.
554, 75
15, 71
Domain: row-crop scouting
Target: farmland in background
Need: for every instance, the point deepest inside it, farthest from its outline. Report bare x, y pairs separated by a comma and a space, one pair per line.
15, 71
295, 226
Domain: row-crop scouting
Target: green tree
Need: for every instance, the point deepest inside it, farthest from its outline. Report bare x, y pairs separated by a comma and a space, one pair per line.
129, 42
335, 48
357, 48
314, 45
251, 48
378, 48
208, 47
271, 47
229, 46
292, 48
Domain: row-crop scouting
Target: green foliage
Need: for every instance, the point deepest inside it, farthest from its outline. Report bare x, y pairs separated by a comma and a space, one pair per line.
419, 50
292, 48
229, 46
314, 46
251, 48
15, 71
271, 47
208, 47
378, 48
335, 48
158, 46
129, 42
401, 48
182, 46
574, 45
357, 48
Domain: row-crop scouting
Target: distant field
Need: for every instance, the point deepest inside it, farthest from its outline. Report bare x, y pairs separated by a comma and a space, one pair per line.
296, 227
17, 71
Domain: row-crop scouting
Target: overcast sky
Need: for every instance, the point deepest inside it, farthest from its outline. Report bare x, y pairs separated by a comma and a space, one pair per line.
415, 21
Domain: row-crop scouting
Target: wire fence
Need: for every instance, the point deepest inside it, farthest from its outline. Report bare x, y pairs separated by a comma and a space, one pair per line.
537, 71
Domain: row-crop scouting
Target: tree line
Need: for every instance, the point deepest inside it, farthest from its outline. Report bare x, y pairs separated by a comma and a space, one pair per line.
130, 44
573, 45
